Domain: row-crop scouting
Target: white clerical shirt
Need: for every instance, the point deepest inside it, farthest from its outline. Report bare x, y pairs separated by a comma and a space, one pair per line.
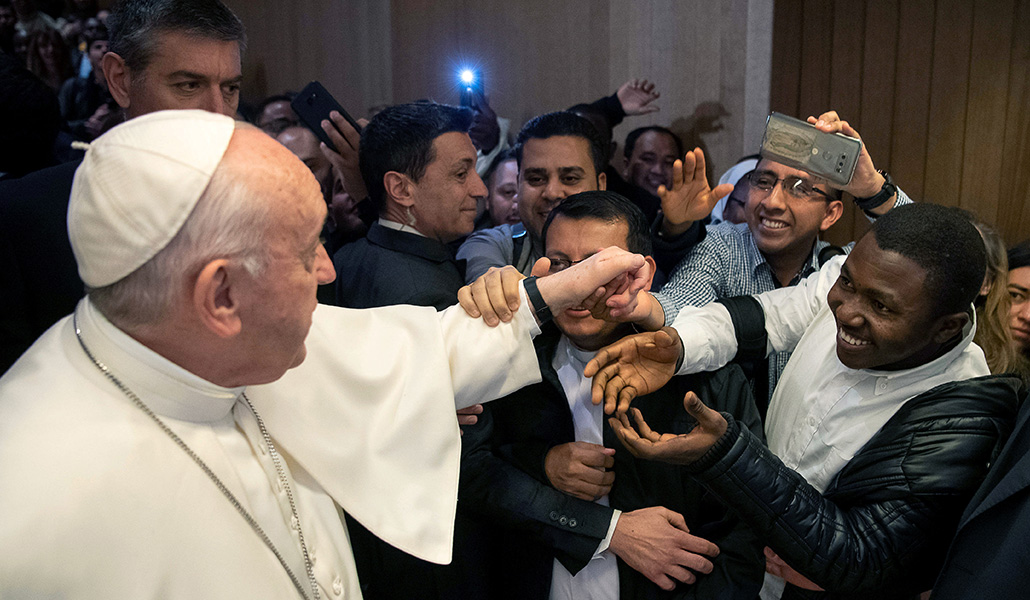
599, 579
98, 502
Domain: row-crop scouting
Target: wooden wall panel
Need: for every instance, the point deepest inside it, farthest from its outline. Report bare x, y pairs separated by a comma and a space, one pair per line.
941, 95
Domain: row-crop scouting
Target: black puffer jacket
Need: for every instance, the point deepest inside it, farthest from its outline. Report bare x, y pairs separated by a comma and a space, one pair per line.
883, 526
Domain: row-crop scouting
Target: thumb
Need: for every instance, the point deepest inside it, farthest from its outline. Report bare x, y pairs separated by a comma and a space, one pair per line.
541, 267
721, 190
706, 417
676, 520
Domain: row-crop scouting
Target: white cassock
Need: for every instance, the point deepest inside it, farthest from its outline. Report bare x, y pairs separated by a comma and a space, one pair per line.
97, 502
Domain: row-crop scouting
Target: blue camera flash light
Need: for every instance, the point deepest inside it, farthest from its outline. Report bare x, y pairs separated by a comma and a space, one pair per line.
467, 76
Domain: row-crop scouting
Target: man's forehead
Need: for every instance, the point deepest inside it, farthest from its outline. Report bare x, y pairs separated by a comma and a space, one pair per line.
655, 141
559, 151
782, 170
453, 147
568, 235
181, 51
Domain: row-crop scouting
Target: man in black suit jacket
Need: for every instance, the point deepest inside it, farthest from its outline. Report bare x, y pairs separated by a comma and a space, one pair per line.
168, 62
419, 166
544, 466
990, 555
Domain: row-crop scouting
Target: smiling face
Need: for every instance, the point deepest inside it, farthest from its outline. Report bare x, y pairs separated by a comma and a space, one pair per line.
1019, 314
885, 316
553, 169
782, 224
650, 164
186, 72
446, 196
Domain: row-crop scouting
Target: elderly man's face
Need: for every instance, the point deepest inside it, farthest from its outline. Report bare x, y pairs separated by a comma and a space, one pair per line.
553, 169
1019, 314
885, 318
650, 164
447, 194
187, 72
277, 304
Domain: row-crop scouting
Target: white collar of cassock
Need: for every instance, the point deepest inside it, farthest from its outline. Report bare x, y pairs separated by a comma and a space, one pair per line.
168, 389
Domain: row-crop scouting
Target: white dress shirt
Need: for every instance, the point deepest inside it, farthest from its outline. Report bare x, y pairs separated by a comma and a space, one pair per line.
599, 579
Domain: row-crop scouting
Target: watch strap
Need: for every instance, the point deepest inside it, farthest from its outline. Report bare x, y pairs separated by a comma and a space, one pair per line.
540, 308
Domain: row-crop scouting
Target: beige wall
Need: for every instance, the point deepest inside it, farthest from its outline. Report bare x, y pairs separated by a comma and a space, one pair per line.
537, 56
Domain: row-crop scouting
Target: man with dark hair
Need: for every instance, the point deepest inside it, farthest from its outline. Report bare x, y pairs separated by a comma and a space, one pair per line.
560, 154
1019, 289
275, 114
786, 211
164, 54
86, 104
650, 152
419, 166
175, 54
883, 424
564, 501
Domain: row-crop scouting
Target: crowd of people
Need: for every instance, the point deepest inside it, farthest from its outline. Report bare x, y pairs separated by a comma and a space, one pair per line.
443, 357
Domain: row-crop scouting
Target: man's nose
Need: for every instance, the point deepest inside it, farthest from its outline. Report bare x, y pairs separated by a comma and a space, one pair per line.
324, 266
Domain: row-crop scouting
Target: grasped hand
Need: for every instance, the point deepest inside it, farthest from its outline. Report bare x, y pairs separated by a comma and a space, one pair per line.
633, 366
580, 469
866, 181
636, 97
468, 415
494, 296
775, 565
347, 141
611, 275
681, 449
656, 542
690, 199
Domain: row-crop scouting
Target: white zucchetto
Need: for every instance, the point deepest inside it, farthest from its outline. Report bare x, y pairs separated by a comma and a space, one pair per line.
136, 187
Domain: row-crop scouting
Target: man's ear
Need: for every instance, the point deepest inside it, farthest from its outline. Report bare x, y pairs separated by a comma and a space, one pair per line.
399, 188
654, 268
216, 298
834, 210
602, 181
948, 326
118, 78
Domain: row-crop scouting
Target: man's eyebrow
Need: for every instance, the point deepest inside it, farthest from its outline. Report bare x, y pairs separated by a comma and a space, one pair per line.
184, 74
571, 170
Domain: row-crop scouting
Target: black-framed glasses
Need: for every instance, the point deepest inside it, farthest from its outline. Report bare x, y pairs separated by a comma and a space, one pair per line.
560, 264
795, 187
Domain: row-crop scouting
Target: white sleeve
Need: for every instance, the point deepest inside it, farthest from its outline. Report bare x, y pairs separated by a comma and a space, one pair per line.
709, 341
790, 310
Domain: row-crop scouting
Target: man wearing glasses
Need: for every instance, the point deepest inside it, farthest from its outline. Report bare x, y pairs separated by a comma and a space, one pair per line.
779, 245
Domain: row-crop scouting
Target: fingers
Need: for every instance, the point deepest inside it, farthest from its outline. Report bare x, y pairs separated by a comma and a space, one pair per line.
709, 419
643, 428
467, 302
541, 267
510, 278
344, 130
720, 191
698, 160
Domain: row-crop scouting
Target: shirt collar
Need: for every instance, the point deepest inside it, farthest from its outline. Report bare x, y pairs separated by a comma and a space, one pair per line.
165, 387
754, 257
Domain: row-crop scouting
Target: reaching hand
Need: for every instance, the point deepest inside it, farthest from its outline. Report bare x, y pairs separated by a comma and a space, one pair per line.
866, 181
680, 449
633, 366
494, 296
469, 416
775, 565
690, 199
611, 275
581, 469
636, 97
347, 142
656, 542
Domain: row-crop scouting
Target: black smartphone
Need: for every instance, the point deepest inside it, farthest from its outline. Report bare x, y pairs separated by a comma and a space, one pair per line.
471, 83
313, 105
798, 144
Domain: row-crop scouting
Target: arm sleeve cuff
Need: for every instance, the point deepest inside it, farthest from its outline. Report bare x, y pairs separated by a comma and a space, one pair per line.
611, 531
720, 449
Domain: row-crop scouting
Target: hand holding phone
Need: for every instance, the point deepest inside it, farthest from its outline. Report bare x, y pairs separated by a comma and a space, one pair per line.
313, 106
795, 143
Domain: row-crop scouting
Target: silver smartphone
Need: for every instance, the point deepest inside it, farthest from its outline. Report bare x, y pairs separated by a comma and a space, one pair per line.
795, 143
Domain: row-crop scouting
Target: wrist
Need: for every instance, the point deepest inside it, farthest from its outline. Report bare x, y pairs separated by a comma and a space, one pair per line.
539, 305
873, 197
669, 229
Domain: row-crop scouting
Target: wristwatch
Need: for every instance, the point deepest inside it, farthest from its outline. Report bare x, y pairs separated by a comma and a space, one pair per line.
540, 308
887, 191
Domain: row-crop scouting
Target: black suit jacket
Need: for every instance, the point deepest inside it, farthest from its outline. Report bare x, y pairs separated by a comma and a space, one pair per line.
990, 554
396, 267
39, 280
503, 479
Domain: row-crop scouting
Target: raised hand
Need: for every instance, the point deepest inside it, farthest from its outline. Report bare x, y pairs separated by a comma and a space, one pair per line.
681, 449
347, 141
866, 181
581, 469
656, 542
633, 366
637, 97
690, 199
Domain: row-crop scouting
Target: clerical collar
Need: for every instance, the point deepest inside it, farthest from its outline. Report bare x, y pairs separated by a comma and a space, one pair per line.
168, 389
574, 352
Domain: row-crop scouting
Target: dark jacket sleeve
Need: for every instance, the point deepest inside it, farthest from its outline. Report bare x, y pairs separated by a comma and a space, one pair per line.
493, 487
885, 521
668, 252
